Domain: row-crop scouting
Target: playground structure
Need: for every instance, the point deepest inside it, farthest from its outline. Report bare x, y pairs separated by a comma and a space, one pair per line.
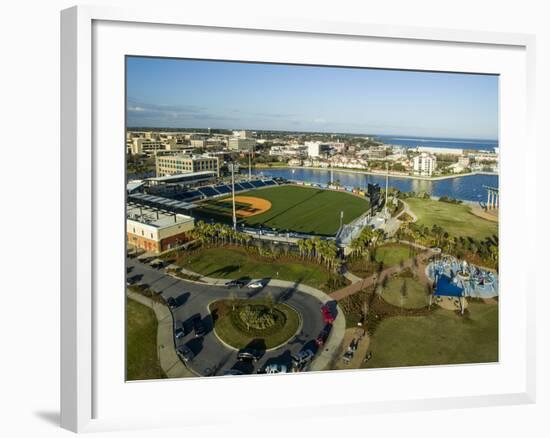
457, 279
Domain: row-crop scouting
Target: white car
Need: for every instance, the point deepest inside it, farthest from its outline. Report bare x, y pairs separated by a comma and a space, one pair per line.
256, 284
275, 369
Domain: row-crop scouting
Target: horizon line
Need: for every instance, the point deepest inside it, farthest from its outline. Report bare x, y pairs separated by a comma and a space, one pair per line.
312, 132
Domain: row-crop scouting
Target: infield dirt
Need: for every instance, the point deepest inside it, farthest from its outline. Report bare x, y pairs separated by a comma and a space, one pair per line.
253, 206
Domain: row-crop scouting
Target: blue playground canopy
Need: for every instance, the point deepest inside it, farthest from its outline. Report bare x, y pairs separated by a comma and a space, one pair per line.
446, 288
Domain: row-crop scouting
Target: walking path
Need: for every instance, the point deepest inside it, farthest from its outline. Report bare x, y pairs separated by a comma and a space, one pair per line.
359, 335
370, 281
351, 276
407, 209
490, 215
331, 346
170, 363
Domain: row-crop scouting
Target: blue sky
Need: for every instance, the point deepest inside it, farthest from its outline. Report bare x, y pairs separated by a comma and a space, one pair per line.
201, 94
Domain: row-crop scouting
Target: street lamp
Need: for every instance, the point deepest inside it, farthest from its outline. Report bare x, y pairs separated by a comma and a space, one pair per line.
233, 195
386, 200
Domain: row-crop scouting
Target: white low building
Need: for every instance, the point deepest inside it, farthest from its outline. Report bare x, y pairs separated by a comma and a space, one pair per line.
288, 151
439, 150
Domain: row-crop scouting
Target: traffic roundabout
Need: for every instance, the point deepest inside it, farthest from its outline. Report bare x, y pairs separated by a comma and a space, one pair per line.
214, 323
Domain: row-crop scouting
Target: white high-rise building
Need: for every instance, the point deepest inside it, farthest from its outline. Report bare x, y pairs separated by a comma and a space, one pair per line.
316, 148
424, 164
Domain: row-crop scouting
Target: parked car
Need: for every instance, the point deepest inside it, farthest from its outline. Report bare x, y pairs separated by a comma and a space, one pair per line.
256, 284
185, 353
157, 264
323, 336
301, 359
188, 326
236, 283
198, 326
249, 354
178, 330
232, 372
172, 303
275, 369
328, 318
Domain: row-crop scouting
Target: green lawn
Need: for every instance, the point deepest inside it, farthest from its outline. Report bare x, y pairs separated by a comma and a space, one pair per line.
141, 343
415, 296
390, 254
441, 337
236, 262
297, 208
456, 219
232, 331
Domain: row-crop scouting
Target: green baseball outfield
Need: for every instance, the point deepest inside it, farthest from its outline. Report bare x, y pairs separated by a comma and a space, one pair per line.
293, 208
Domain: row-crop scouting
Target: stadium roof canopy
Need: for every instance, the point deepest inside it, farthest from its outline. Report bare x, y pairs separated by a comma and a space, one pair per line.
159, 201
188, 176
446, 288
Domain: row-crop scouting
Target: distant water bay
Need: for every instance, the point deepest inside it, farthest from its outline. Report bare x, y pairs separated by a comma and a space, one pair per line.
468, 187
451, 143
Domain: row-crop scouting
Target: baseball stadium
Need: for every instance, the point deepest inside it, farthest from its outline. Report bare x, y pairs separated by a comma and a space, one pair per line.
287, 208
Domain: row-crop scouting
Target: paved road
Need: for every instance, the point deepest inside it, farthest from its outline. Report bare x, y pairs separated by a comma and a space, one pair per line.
212, 356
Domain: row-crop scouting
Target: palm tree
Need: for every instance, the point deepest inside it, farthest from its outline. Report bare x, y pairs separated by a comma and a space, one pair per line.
316, 243
309, 247
354, 246
301, 247
331, 253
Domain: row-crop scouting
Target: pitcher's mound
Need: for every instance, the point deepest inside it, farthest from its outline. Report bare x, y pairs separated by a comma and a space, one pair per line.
247, 206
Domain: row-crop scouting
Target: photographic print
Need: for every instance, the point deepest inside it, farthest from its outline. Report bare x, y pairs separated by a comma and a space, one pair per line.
293, 218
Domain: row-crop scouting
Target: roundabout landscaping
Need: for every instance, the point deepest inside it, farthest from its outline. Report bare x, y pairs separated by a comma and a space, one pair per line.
261, 324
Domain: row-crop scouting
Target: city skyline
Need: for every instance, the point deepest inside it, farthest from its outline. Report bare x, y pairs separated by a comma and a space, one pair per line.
176, 93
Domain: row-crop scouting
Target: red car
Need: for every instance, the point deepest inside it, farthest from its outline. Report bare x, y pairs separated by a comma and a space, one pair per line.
323, 336
327, 314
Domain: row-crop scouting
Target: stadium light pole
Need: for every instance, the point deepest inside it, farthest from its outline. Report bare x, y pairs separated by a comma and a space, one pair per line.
233, 195
386, 200
249, 165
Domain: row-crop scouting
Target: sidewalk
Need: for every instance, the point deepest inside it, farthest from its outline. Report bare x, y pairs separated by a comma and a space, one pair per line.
351, 276
407, 209
170, 363
371, 280
331, 347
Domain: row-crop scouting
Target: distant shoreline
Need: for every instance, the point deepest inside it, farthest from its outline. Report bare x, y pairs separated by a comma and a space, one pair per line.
382, 174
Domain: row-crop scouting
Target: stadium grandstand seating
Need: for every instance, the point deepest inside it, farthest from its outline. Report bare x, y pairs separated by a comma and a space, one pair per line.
188, 195
258, 183
247, 185
208, 191
223, 189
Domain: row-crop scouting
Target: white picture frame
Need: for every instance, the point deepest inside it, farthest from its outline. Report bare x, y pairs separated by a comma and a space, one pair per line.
83, 369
